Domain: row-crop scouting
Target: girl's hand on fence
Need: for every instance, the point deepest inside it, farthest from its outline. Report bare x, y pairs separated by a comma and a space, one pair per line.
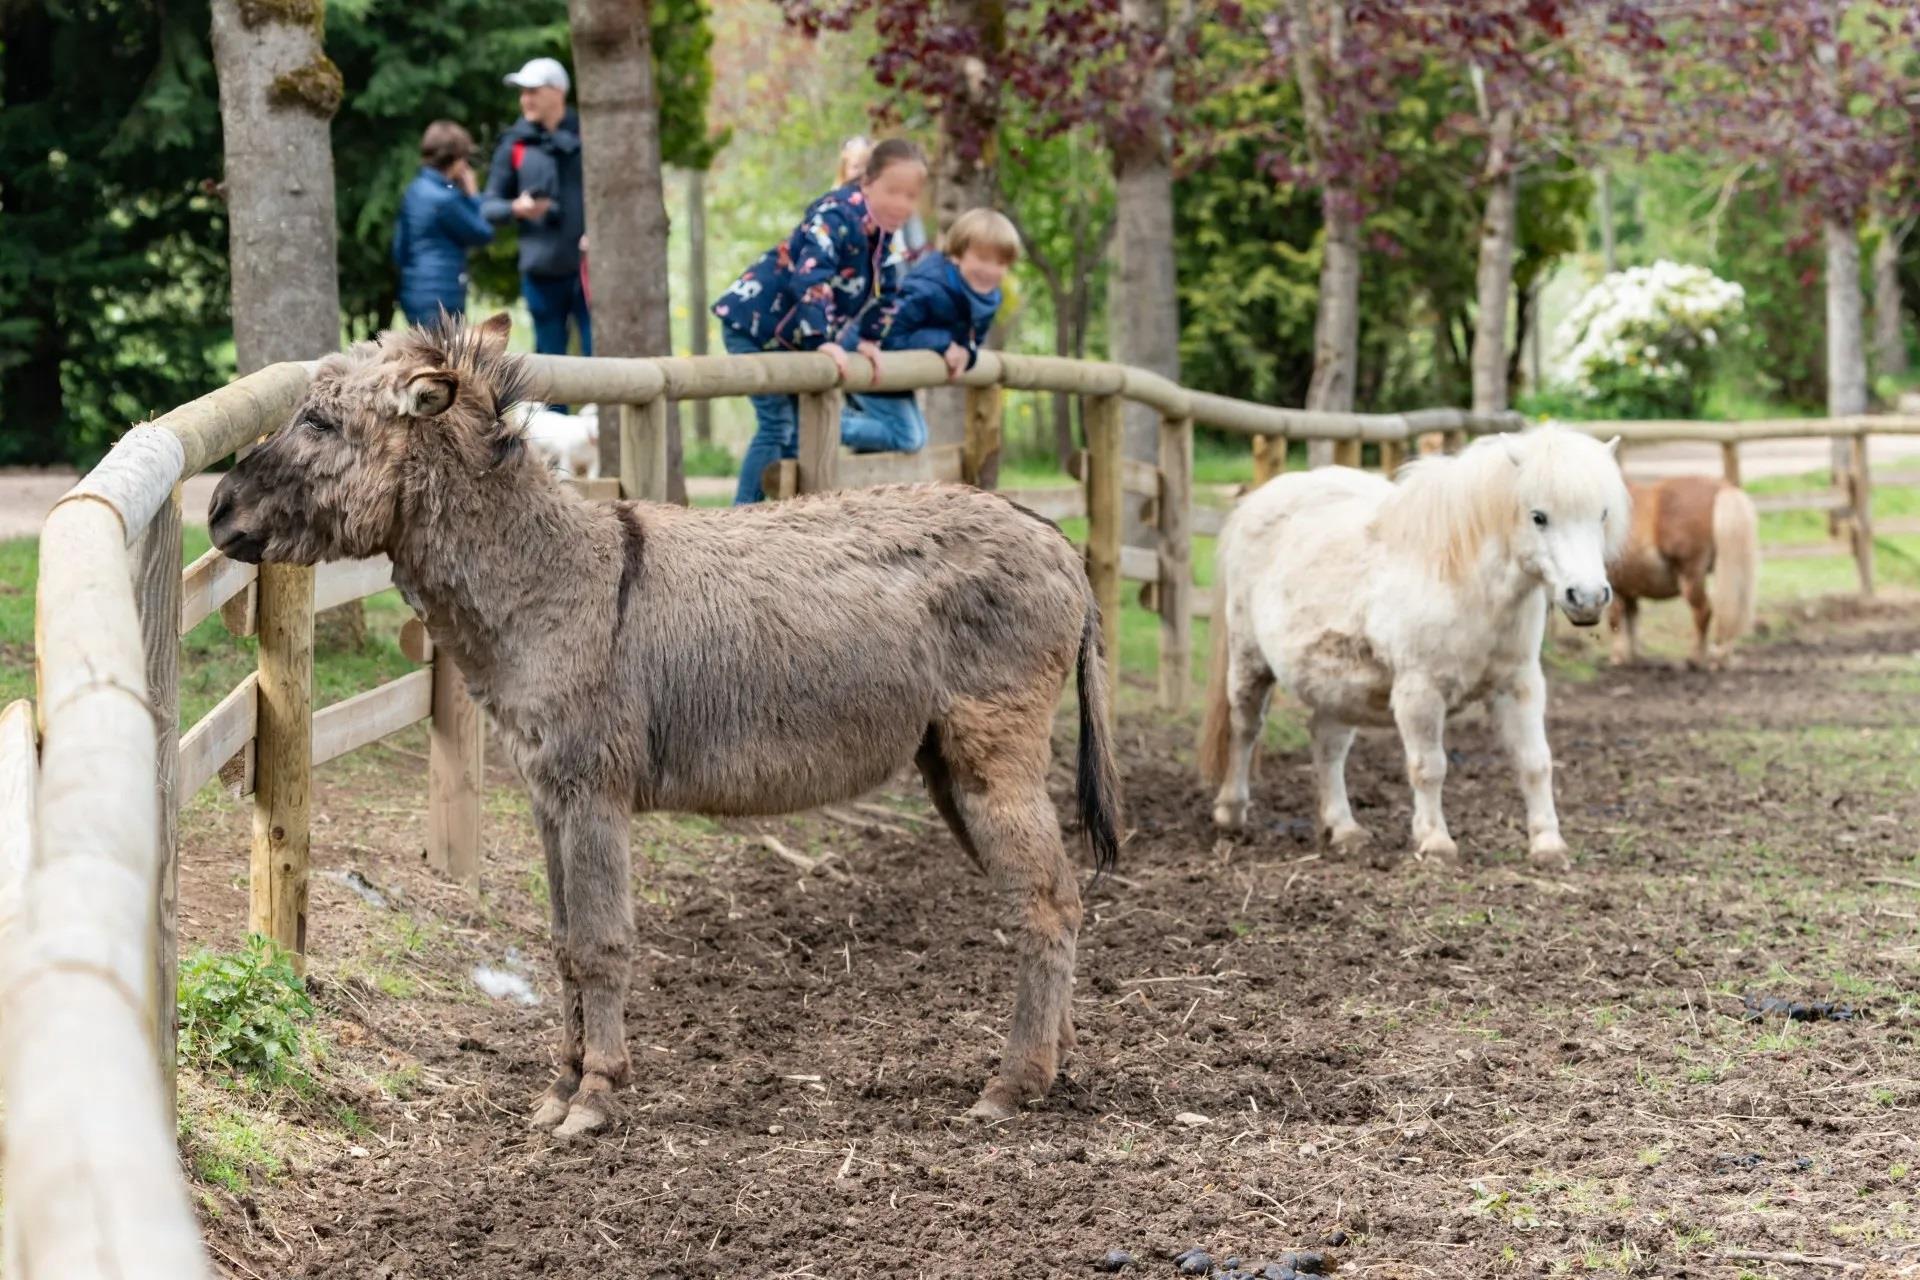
837, 354
871, 350
956, 356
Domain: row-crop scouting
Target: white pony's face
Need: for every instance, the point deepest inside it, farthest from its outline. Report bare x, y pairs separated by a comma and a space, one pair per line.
1572, 517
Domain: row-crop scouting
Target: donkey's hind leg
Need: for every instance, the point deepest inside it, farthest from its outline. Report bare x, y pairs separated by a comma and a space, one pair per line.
998, 751
1249, 685
551, 1110
1623, 619
1331, 742
1694, 587
599, 891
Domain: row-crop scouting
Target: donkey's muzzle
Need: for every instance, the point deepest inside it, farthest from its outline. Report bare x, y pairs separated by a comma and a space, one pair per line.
223, 526
1583, 605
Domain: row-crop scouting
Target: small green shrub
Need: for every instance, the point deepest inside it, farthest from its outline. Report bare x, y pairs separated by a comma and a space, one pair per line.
242, 1010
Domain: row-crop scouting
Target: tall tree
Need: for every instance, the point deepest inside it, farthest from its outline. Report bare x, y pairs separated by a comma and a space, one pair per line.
626, 199
683, 59
278, 93
1889, 336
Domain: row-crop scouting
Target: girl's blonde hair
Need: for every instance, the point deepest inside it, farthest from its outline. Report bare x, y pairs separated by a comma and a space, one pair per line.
988, 230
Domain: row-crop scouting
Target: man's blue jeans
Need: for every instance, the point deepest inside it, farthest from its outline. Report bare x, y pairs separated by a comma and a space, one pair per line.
553, 300
777, 434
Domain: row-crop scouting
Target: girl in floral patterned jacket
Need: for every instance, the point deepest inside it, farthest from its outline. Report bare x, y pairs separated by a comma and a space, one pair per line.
827, 287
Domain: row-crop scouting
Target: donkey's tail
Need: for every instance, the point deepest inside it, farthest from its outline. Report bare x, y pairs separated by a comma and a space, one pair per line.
1216, 729
1097, 782
1736, 565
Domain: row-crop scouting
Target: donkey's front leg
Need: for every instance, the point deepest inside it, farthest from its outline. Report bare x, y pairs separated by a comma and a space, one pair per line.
599, 892
1520, 715
1332, 739
551, 1110
1421, 714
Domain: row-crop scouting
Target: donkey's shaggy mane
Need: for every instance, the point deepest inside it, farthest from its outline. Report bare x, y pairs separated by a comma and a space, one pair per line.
500, 377
1448, 509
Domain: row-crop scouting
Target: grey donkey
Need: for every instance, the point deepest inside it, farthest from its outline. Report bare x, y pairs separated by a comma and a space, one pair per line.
758, 660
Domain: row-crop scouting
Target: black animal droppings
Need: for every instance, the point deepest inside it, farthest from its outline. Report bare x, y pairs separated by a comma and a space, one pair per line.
1335, 1238
1762, 1007
1803, 1162
1309, 1261
1115, 1260
1232, 1264
1197, 1263
1747, 1160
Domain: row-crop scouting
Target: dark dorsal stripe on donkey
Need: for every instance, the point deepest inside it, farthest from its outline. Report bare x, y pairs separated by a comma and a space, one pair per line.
755, 660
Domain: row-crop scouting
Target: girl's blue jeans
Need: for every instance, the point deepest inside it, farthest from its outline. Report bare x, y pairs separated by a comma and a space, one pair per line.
777, 433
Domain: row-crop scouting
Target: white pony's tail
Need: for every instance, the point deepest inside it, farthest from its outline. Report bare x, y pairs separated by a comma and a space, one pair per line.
1736, 565
1216, 729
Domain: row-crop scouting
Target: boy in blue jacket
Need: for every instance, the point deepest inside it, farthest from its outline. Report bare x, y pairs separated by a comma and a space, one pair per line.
946, 305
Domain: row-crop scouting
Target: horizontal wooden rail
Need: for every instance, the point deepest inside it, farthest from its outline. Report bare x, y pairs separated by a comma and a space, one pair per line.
368, 717
344, 581
208, 583
219, 736
1773, 503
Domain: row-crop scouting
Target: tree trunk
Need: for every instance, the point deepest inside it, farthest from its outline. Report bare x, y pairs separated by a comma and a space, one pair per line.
963, 176
1063, 445
1143, 306
1493, 282
1336, 326
1889, 343
1609, 261
278, 92
1846, 350
626, 199
697, 290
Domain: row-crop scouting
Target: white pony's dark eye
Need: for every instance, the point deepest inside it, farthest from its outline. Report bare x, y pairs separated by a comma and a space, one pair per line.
1539, 519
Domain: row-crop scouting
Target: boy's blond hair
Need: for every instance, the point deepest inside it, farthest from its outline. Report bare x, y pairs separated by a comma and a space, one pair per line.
988, 230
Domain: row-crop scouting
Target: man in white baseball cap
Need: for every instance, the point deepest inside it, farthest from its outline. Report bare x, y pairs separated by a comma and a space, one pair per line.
535, 180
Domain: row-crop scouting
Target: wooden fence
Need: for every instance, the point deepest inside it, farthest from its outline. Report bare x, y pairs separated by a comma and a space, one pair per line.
93, 774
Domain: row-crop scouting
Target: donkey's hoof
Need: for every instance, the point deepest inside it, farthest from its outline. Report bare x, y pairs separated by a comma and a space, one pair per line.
1549, 852
1439, 846
1230, 815
1350, 837
996, 1105
551, 1113
589, 1114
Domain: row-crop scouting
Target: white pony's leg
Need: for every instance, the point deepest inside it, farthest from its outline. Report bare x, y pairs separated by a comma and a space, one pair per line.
1331, 742
1249, 684
1421, 713
1520, 715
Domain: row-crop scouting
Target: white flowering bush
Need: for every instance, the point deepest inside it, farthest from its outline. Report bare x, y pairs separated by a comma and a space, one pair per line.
1641, 343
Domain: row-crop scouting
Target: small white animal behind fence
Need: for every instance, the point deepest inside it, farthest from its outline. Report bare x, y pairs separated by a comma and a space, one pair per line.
570, 442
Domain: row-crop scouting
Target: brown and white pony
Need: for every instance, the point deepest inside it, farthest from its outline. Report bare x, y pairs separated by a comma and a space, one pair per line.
1696, 536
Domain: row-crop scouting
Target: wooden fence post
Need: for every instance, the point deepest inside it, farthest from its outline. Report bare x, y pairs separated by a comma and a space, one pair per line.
1269, 458
156, 588
1346, 453
1860, 499
1102, 415
643, 450
456, 754
1176, 561
980, 459
1730, 461
819, 442
283, 767
1392, 454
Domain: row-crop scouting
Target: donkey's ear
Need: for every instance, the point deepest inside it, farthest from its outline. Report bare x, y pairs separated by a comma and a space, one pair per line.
427, 393
1613, 446
1512, 447
493, 333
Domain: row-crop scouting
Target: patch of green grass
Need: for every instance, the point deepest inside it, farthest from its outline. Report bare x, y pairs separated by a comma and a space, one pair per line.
229, 1149
1875, 759
401, 1083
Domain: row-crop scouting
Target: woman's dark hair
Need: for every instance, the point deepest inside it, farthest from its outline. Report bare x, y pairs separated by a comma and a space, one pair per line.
891, 152
444, 145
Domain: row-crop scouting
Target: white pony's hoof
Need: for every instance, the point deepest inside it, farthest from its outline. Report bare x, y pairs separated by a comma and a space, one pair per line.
1439, 845
1350, 838
1549, 852
1230, 815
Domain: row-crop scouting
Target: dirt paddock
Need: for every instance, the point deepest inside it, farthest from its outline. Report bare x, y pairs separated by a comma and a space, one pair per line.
1442, 1070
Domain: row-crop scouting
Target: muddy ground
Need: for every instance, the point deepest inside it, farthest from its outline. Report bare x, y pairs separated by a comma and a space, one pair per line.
1453, 1070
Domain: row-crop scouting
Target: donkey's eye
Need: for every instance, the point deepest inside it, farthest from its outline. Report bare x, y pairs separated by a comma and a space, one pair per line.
1539, 519
322, 425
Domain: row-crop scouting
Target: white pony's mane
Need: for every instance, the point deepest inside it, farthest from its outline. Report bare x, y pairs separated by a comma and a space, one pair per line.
1447, 509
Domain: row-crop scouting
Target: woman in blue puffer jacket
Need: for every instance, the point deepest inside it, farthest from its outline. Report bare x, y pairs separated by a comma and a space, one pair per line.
439, 222
827, 287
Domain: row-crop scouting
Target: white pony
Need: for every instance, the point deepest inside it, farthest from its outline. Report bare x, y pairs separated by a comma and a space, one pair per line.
1376, 603
570, 442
